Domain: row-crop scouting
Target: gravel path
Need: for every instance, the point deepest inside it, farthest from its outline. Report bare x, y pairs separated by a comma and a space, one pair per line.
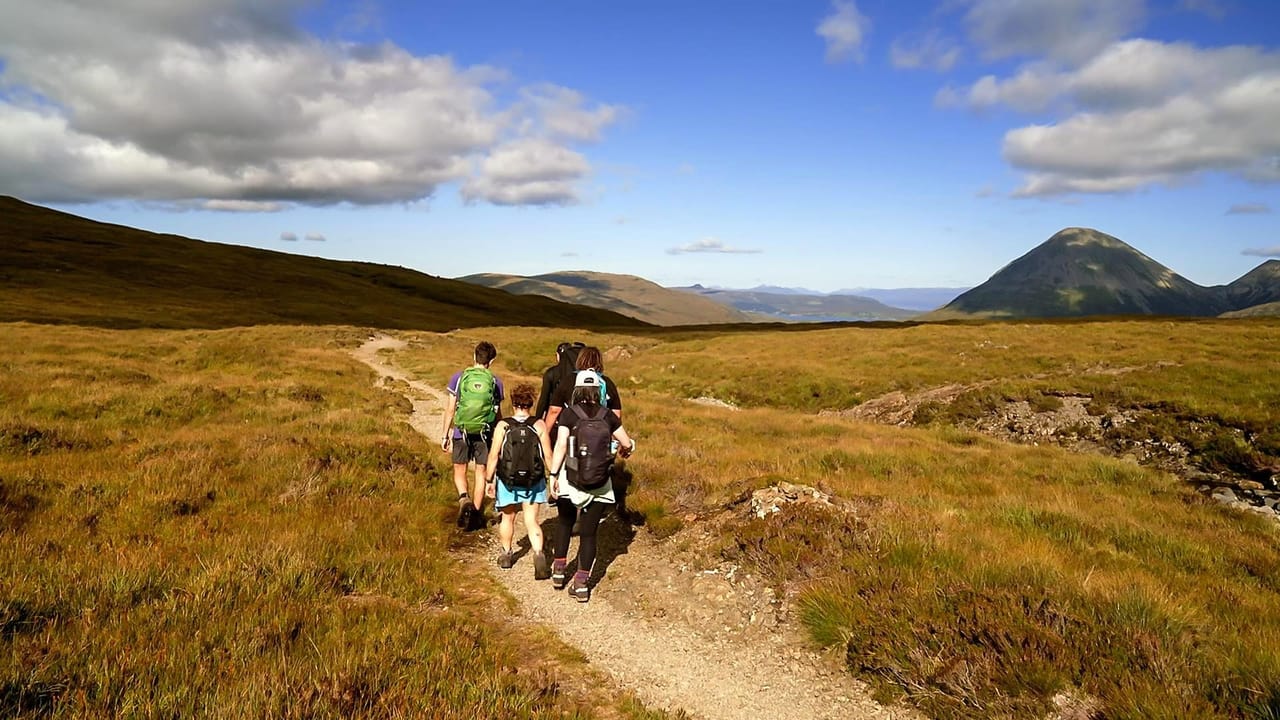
712, 644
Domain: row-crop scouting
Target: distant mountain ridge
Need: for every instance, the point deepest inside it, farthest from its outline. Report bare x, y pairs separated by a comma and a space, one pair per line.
1081, 272
798, 307
628, 295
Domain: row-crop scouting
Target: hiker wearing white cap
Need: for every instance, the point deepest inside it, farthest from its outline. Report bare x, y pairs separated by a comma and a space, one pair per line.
587, 434
589, 358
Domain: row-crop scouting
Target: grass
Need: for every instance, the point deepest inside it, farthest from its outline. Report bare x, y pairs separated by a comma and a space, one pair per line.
972, 577
201, 520
238, 523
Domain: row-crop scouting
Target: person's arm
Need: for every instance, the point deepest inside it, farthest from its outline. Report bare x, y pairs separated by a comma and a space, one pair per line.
553, 413
495, 449
544, 393
626, 443
544, 437
497, 399
446, 437
614, 399
558, 458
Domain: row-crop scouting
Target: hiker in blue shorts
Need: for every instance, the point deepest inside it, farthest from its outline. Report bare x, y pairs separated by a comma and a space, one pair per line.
517, 477
474, 408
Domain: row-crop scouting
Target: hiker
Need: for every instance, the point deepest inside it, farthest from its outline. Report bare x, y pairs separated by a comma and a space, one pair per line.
584, 450
475, 400
562, 372
588, 358
517, 477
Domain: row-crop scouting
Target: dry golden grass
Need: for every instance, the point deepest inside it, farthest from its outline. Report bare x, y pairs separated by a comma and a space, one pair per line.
239, 524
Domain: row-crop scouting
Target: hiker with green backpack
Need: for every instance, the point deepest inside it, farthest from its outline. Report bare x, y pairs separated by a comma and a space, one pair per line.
517, 475
474, 408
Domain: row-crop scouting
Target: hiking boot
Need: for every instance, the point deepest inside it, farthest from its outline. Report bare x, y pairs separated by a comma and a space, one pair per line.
506, 560
477, 521
558, 574
541, 570
465, 510
578, 587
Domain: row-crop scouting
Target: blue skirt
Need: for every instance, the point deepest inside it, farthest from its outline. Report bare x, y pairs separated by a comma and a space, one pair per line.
516, 496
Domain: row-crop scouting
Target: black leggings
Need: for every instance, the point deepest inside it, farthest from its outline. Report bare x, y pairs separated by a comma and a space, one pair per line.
592, 514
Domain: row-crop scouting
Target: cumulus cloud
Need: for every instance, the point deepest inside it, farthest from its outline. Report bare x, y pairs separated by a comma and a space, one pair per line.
1066, 30
289, 237
930, 50
316, 237
708, 245
1249, 209
1139, 113
844, 31
529, 171
1273, 251
226, 101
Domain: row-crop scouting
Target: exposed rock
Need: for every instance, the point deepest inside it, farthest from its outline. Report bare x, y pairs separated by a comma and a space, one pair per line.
713, 402
772, 499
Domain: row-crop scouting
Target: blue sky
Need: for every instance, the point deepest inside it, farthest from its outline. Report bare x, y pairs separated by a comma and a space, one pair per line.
827, 145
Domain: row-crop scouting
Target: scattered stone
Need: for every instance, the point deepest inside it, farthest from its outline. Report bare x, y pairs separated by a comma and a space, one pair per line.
772, 499
713, 402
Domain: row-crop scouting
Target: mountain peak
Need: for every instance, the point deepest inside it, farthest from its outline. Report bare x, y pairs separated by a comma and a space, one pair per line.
1082, 237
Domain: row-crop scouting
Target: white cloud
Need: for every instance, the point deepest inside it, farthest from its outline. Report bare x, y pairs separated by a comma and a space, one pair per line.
528, 171
708, 245
316, 237
930, 50
1066, 30
1273, 251
844, 31
1140, 113
1249, 209
241, 206
289, 236
226, 101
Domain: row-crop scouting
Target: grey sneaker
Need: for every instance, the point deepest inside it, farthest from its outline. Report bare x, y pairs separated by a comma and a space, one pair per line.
506, 560
558, 574
541, 570
578, 587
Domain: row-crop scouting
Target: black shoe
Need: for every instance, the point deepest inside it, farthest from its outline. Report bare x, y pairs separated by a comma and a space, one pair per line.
478, 520
541, 569
465, 511
506, 560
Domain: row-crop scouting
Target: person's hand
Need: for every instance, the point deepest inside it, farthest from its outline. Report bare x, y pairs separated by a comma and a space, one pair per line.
446, 442
626, 451
491, 489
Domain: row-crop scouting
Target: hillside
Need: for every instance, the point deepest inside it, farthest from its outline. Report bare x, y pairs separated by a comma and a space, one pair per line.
1271, 309
793, 306
1080, 272
921, 299
1259, 286
60, 268
625, 294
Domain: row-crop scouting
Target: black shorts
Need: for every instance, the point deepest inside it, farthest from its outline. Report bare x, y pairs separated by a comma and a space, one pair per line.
471, 447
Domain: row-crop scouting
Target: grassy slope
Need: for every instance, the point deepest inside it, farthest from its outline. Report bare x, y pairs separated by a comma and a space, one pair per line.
59, 268
1271, 309
977, 577
237, 523
625, 294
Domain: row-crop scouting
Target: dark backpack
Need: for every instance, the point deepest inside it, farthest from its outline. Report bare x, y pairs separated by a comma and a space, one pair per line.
521, 464
590, 457
474, 413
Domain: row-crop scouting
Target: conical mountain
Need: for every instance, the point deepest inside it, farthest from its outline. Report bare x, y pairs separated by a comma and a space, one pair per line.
1259, 286
1078, 272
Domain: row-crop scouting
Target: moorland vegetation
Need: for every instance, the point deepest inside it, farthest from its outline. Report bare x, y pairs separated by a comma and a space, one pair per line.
201, 523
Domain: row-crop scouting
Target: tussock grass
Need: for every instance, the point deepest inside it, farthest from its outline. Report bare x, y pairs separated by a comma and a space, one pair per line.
976, 578
238, 524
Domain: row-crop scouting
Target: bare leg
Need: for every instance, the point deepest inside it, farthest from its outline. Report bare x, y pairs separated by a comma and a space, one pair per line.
460, 478
477, 497
507, 530
531, 526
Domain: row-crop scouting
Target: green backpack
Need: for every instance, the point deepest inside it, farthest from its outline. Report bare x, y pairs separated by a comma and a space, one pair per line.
475, 413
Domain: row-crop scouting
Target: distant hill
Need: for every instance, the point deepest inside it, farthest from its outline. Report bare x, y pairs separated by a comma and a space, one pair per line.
625, 294
795, 307
1080, 272
922, 299
60, 268
1259, 286
1271, 309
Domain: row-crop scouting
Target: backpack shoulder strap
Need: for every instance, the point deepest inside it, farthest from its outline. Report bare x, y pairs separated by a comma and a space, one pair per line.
577, 410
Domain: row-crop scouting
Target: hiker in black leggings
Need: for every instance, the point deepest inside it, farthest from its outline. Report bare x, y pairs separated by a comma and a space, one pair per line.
574, 503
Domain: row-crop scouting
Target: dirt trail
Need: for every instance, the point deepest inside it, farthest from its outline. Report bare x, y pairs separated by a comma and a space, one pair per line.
710, 643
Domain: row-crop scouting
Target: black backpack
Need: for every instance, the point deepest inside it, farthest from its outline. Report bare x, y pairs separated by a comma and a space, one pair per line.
590, 457
521, 464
